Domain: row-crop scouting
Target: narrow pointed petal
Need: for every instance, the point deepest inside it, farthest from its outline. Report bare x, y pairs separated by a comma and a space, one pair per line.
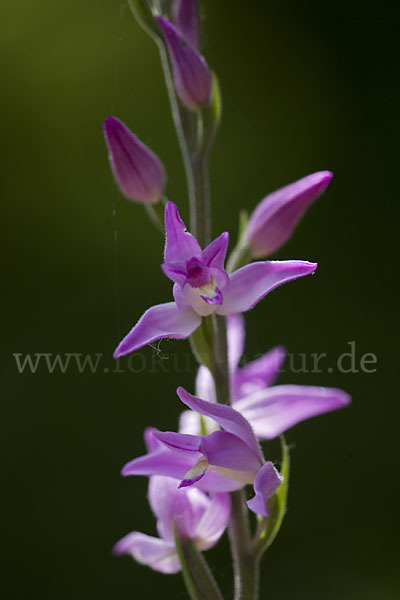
274, 410
176, 465
214, 521
160, 321
274, 219
236, 336
137, 170
181, 442
251, 283
192, 77
266, 482
180, 245
228, 418
214, 254
258, 374
161, 462
158, 554
186, 17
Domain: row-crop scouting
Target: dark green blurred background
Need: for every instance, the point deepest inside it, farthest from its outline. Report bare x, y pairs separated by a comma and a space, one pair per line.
306, 86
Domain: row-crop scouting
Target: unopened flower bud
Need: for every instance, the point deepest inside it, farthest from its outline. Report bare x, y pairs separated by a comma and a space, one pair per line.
192, 77
275, 218
186, 17
137, 170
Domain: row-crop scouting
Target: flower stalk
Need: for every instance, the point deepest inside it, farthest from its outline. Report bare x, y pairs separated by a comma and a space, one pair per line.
245, 562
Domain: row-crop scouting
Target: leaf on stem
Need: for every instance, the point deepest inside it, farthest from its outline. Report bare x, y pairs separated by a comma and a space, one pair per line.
201, 345
198, 578
210, 117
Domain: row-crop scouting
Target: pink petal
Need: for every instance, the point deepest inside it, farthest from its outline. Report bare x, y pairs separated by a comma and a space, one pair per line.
258, 374
186, 18
214, 482
214, 254
275, 218
152, 443
158, 554
236, 336
205, 388
192, 77
173, 464
190, 422
265, 484
251, 283
274, 410
214, 521
137, 170
160, 321
161, 462
180, 245
228, 451
228, 418
171, 505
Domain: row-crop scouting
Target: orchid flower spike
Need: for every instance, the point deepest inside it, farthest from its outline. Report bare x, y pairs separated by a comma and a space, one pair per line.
192, 77
275, 218
137, 170
270, 409
202, 286
196, 516
225, 460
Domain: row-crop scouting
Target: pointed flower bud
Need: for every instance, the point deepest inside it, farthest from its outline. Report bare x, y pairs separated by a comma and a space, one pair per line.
275, 218
137, 170
192, 77
186, 18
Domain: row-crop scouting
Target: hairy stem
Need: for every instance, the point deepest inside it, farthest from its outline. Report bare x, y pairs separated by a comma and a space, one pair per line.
198, 577
200, 203
220, 369
246, 565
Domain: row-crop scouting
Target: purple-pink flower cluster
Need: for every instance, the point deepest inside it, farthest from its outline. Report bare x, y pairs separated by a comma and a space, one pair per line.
217, 448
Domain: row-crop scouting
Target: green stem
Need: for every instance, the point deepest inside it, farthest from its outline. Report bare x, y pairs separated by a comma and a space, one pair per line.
200, 203
220, 369
246, 565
